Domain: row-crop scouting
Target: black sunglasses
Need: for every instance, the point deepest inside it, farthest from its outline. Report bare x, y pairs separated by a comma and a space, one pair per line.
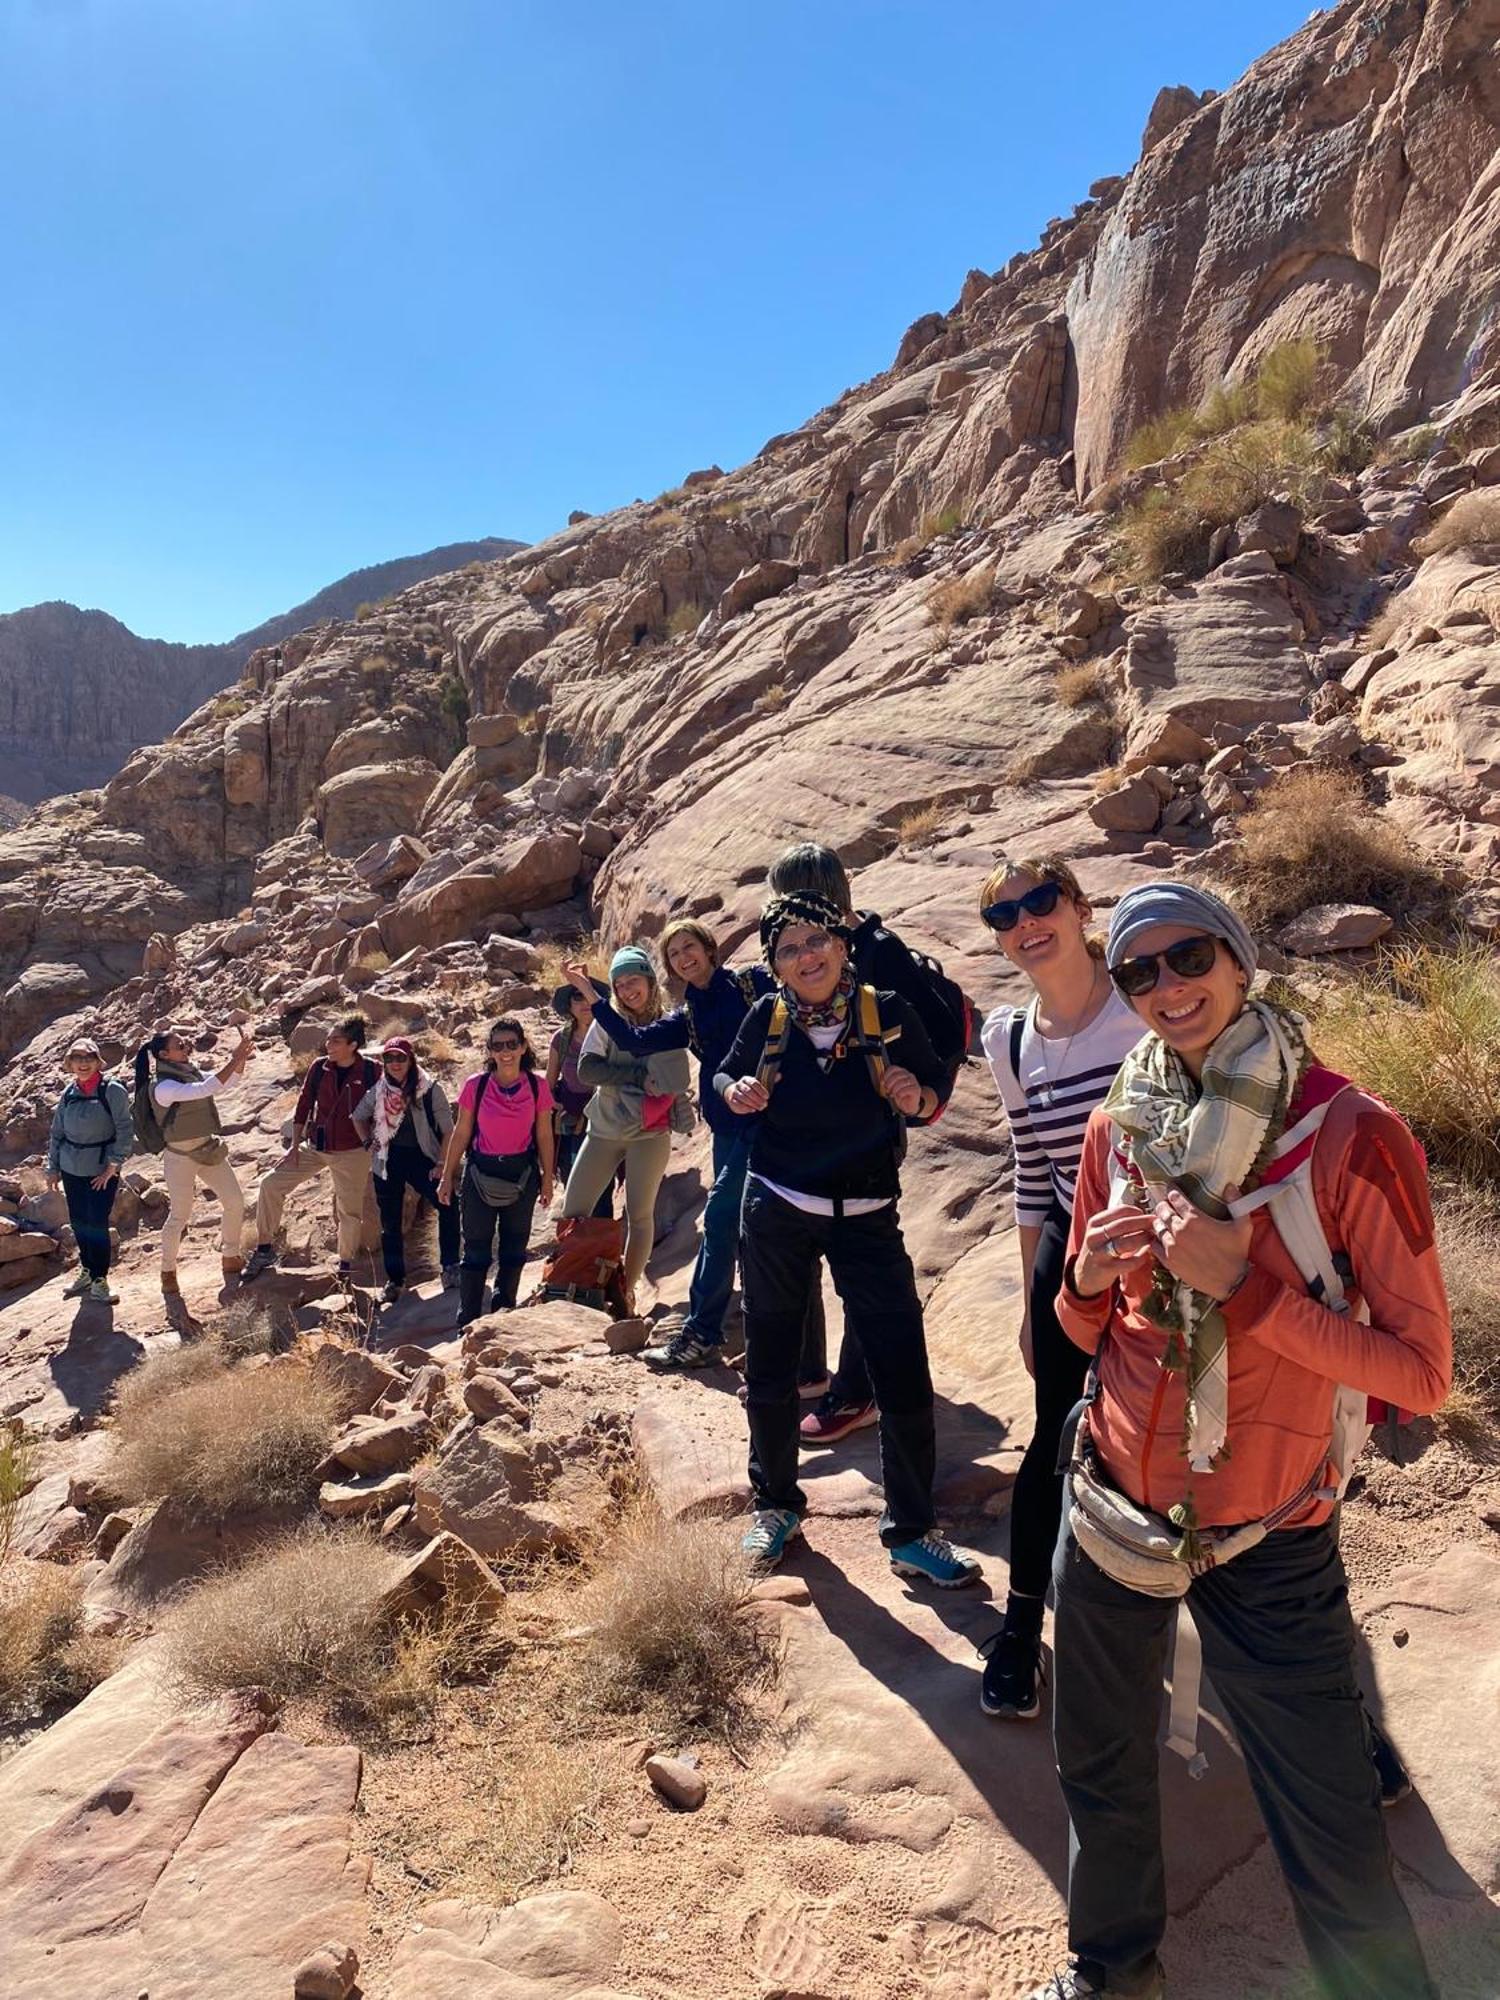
506, 1048
1038, 902
1189, 958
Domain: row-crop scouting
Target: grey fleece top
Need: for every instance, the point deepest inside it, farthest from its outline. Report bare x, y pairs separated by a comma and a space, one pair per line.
90, 1133
620, 1082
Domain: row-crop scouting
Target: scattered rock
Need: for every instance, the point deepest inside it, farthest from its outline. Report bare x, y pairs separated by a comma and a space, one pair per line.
678, 1782
373, 1444
1134, 807
627, 1336
370, 1493
328, 1974
1330, 927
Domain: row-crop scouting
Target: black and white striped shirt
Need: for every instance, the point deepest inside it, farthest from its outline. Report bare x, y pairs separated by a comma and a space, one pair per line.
1049, 1105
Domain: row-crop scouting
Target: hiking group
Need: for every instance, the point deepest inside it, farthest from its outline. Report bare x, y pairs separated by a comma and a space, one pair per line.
1228, 1267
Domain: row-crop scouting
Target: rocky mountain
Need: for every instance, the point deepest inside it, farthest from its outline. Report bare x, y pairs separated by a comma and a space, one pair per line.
79, 691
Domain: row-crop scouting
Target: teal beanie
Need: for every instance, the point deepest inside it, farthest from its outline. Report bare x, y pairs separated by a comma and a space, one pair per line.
630, 958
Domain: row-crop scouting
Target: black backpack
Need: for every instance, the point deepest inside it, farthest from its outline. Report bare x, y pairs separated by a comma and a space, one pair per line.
946, 1011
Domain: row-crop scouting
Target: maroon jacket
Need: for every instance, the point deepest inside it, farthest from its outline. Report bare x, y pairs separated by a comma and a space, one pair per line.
328, 1100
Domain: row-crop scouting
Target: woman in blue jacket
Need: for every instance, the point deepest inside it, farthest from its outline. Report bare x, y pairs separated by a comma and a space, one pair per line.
92, 1137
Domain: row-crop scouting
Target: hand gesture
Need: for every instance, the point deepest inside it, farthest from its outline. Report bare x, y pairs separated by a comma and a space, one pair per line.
746, 1095
903, 1090
1115, 1241
577, 975
1208, 1255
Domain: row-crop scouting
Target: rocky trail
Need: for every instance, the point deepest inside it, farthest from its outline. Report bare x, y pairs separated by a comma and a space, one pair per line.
1173, 546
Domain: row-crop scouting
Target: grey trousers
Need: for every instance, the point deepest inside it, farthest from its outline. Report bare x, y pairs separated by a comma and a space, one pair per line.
1278, 1643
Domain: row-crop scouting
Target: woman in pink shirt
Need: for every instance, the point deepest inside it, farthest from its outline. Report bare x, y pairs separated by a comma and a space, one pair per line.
503, 1140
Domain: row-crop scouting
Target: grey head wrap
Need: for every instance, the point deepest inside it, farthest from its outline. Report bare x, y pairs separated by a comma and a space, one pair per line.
1177, 903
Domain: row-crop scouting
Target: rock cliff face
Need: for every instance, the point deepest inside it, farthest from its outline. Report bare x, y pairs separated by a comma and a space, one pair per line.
864, 629
79, 691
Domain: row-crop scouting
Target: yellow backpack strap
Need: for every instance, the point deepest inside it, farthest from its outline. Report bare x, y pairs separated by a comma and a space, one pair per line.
776, 1034
872, 1035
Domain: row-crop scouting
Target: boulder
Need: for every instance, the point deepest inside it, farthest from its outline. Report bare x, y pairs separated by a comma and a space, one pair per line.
359, 1381
358, 1497
1166, 740
1134, 807
388, 862
526, 874
372, 1444
1275, 527
1330, 927
486, 1396
482, 1488
489, 732
444, 1568
753, 585
373, 801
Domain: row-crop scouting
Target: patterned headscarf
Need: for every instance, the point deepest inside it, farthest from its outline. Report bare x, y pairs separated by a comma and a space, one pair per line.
798, 906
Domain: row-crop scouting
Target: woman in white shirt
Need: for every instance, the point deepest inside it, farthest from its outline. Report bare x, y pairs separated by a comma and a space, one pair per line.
1053, 1061
181, 1100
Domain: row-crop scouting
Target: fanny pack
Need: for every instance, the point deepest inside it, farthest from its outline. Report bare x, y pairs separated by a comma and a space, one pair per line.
499, 1178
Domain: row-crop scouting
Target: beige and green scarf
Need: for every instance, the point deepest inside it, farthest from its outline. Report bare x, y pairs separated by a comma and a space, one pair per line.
1201, 1138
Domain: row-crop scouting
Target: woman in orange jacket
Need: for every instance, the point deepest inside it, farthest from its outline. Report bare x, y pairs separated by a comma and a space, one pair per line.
1216, 1371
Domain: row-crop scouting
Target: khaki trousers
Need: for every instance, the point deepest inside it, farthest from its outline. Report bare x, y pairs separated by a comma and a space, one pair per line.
646, 1161
183, 1172
351, 1188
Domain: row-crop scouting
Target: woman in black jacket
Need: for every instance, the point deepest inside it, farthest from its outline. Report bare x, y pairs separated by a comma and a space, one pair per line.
812, 1064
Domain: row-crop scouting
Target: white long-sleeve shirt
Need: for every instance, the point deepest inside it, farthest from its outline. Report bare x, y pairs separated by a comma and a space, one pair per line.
1049, 1104
171, 1090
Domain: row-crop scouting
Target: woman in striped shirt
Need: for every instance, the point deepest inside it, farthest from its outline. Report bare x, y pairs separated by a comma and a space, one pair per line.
1053, 1062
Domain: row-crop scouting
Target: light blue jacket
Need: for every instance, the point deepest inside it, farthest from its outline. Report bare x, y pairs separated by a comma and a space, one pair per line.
91, 1133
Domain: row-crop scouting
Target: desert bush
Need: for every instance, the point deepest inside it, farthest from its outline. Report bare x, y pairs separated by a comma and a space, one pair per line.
916, 828
1286, 381
671, 1628
945, 521
771, 698
219, 1438
1313, 837
727, 510
1409, 447
1425, 1036
1473, 521
45, 1655
1348, 442
593, 616
1077, 685
17, 1476
960, 598
669, 517
1468, 1239
1161, 437
453, 701
364, 610
685, 619
1386, 623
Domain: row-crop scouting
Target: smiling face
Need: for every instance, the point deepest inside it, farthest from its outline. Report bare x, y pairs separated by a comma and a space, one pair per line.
633, 991
175, 1048
505, 1050
1039, 945
82, 1066
811, 961
1188, 1014
340, 1051
582, 1011
689, 961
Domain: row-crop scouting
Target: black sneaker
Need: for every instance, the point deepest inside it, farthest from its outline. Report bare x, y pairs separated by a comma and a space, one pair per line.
261, 1258
392, 1292
684, 1350
1395, 1779
1080, 1980
1012, 1668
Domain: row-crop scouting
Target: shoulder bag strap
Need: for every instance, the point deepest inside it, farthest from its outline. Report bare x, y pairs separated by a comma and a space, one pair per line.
775, 1048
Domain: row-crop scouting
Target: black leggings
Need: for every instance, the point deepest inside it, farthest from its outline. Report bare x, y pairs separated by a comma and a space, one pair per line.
1036, 1500
88, 1211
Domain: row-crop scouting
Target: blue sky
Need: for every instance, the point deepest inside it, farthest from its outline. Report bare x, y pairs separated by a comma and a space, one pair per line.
299, 285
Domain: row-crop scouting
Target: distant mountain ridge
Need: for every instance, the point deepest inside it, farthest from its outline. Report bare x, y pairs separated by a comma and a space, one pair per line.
79, 691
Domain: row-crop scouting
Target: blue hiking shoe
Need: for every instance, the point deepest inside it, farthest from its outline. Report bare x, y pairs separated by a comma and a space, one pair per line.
934, 1560
684, 1350
765, 1541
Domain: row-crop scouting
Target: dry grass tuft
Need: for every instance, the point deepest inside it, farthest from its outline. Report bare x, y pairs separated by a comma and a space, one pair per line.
1387, 622
17, 1476
1077, 685
771, 698
1425, 1036
45, 1655
1473, 521
1313, 837
438, 1048
684, 620
1468, 1236
217, 1438
1171, 527
554, 953
1283, 388
946, 521
916, 828
961, 598
672, 1634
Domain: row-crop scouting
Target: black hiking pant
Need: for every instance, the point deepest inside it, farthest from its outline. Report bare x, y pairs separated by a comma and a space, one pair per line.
493, 1235
409, 1167
780, 1245
1278, 1641
1036, 1499
88, 1211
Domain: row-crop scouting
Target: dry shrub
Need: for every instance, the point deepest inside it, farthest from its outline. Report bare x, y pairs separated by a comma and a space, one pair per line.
1425, 1036
1473, 521
684, 620
1287, 379
961, 598
727, 510
771, 698
554, 953
916, 828
1077, 685
218, 1438
17, 1476
947, 521
1285, 386
1468, 1237
45, 1655
1171, 527
593, 616
669, 517
438, 1047
671, 1631
1386, 623
1312, 837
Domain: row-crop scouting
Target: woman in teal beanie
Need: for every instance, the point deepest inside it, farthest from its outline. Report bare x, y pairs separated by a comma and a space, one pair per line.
636, 1106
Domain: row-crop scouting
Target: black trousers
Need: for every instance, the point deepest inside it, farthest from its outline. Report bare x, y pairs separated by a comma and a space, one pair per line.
409, 1167
1278, 1642
779, 1250
1036, 1500
88, 1211
492, 1235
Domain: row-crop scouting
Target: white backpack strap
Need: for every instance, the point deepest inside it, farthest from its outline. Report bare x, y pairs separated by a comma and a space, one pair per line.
1187, 1684
1300, 1227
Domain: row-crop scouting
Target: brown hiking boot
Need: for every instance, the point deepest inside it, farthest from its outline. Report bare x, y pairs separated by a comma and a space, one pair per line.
170, 1289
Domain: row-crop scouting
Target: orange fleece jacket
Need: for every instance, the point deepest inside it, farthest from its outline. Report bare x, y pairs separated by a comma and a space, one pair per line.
1286, 1352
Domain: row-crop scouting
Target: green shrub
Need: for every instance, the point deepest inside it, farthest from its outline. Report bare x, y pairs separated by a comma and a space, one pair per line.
453, 701
1286, 382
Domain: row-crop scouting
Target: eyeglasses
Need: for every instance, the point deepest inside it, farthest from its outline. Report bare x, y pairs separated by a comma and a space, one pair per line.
1038, 902
788, 954
391, 1062
1189, 958
506, 1048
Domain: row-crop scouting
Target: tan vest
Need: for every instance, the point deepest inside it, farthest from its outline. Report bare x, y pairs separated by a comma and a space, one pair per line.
192, 1127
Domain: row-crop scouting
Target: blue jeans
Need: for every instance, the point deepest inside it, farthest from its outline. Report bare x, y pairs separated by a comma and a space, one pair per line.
713, 1274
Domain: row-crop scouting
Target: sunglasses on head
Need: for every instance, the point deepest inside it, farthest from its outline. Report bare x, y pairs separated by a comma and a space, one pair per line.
1038, 902
1189, 958
505, 1048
